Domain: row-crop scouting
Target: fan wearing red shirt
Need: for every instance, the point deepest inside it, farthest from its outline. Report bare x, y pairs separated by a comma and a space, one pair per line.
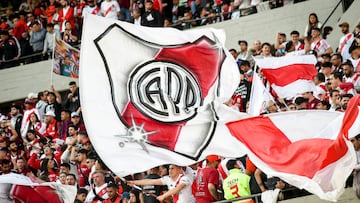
207, 181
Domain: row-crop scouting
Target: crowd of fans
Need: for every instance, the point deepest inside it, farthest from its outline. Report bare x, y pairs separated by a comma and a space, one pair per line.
44, 137
28, 27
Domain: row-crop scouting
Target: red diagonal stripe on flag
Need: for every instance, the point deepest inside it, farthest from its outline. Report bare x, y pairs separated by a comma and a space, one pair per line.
285, 75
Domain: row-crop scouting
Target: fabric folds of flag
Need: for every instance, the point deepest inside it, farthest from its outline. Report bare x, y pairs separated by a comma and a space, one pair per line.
24, 189
289, 75
259, 97
66, 59
307, 149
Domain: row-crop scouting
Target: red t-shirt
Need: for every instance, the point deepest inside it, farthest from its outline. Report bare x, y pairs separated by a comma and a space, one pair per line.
204, 177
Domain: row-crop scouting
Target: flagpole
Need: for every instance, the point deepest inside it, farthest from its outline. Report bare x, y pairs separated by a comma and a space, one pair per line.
53, 59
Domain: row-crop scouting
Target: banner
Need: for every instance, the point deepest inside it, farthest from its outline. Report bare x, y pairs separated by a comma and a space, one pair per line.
25, 189
66, 59
152, 96
307, 149
289, 75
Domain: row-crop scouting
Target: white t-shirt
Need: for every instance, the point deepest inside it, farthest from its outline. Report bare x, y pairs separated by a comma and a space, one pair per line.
344, 45
185, 195
91, 194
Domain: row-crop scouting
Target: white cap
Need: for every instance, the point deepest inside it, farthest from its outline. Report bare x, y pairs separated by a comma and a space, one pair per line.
50, 113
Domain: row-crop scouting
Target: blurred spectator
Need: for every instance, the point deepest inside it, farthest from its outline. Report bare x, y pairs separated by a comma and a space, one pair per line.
313, 23
49, 42
125, 6
70, 34
9, 50
319, 45
336, 60
326, 31
54, 103
19, 26
65, 14
91, 8
72, 101
256, 48
280, 40
151, 17
136, 17
98, 193
37, 37
50, 11
110, 9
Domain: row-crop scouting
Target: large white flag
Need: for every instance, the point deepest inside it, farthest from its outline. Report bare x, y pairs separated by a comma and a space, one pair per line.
152, 96
307, 149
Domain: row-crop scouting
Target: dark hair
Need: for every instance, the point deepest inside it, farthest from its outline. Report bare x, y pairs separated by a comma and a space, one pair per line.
82, 191
294, 32
348, 63
231, 164
71, 174
320, 77
332, 91
316, 17
327, 65
72, 83
73, 126
230, 50
5, 161
67, 165
288, 45
242, 41
245, 63
346, 96
326, 103
283, 34
337, 75
338, 55
265, 44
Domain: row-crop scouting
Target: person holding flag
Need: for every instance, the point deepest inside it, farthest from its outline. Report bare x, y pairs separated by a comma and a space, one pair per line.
178, 182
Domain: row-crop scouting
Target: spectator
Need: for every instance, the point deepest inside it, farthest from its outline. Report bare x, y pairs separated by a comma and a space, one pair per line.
344, 100
336, 60
356, 174
280, 40
326, 31
345, 41
110, 9
178, 183
29, 109
70, 35
71, 179
49, 170
79, 156
81, 195
265, 50
311, 100
50, 11
37, 38
244, 53
64, 124
54, 103
76, 121
301, 103
51, 125
319, 45
9, 50
65, 14
207, 181
323, 105
355, 50
91, 8
313, 23
151, 17
351, 76
72, 101
125, 6
152, 191
49, 42
112, 191
256, 48
30, 18
236, 179
19, 26
136, 17
98, 193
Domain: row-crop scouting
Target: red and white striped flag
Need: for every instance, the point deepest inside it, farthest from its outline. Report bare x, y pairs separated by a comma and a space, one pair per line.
289, 75
259, 97
307, 149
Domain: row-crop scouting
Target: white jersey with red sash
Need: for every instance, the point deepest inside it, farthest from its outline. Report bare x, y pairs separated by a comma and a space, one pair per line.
95, 10
97, 194
320, 46
344, 45
185, 195
109, 9
356, 64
